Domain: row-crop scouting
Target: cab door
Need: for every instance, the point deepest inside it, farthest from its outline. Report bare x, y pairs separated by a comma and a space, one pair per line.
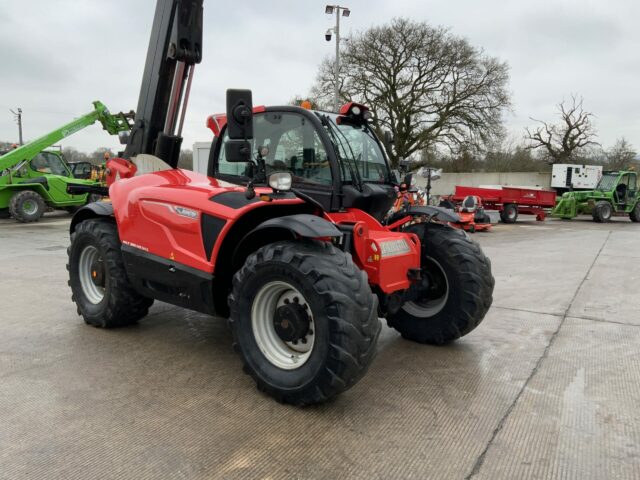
632, 190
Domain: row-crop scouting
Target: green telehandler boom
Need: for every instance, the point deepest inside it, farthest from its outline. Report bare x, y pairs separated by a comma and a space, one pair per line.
616, 194
32, 178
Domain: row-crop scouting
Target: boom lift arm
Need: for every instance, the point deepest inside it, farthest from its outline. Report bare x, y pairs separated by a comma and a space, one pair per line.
113, 124
174, 49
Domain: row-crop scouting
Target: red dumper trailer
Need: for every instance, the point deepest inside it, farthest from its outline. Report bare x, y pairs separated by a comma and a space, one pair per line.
510, 201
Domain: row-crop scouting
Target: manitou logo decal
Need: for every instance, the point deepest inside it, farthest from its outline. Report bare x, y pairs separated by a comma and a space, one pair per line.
186, 212
182, 211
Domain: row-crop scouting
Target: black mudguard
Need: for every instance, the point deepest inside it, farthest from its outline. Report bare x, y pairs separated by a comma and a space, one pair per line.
438, 213
302, 225
92, 210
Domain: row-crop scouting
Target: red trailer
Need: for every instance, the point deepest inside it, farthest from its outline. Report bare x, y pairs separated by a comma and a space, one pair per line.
510, 201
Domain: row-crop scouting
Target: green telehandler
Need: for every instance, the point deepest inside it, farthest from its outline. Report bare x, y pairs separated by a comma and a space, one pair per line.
33, 179
615, 195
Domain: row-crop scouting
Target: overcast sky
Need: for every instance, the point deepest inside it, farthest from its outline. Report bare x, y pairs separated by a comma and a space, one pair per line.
56, 57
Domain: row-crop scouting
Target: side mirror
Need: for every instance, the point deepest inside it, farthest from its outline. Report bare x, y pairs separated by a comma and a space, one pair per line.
237, 151
389, 138
404, 164
239, 125
239, 114
123, 137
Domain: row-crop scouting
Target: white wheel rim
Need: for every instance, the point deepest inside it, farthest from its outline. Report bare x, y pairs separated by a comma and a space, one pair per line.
285, 355
93, 292
428, 308
29, 207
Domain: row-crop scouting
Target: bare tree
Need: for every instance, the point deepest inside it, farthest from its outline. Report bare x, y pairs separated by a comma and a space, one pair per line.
621, 156
563, 141
428, 86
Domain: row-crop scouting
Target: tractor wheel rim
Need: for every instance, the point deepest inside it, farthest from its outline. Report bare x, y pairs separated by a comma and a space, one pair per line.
29, 207
287, 355
89, 258
437, 294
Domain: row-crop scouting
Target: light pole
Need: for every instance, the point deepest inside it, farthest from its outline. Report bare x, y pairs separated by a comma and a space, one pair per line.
329, 10
18, 116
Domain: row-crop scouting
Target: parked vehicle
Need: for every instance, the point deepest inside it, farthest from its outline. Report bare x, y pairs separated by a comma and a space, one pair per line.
284, 236
33, 179
615, 195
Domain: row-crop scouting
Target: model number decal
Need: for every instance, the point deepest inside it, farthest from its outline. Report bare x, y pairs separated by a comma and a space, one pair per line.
135, 245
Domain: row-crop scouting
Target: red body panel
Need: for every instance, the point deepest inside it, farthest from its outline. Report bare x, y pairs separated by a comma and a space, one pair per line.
387, 272
160, 213
145, 209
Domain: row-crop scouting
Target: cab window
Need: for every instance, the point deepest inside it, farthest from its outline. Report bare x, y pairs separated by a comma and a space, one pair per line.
632, 181
47, 162
289, 142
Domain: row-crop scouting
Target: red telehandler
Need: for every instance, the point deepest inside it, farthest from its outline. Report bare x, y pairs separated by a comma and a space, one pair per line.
283, 236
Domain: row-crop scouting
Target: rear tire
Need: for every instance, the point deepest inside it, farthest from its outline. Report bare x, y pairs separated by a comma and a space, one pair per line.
99, 284
509, 213
27, 206
460, 292
634, 215
602, 212
339, 314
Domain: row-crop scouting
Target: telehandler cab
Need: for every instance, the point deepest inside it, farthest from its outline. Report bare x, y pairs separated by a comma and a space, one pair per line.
284, 236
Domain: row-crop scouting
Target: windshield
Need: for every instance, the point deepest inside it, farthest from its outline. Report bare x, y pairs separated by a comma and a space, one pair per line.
359, 149
287, 142
607, 182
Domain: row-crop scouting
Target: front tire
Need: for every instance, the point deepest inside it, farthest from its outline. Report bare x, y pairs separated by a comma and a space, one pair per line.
634, 215
304, 321
602, 212
98, 280
459, 292
27, 206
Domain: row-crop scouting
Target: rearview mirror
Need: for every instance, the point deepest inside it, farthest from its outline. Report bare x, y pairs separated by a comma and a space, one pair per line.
237, 151
239, 114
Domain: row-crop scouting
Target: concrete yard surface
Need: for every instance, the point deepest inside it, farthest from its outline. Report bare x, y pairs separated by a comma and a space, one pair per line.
548, 386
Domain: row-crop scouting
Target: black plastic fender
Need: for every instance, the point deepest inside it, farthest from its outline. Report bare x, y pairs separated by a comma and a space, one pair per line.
92, 210
302, 224
439, 213
283, 228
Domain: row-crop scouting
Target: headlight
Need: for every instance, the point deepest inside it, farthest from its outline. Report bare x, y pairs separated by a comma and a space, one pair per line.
280, 181
394, 247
